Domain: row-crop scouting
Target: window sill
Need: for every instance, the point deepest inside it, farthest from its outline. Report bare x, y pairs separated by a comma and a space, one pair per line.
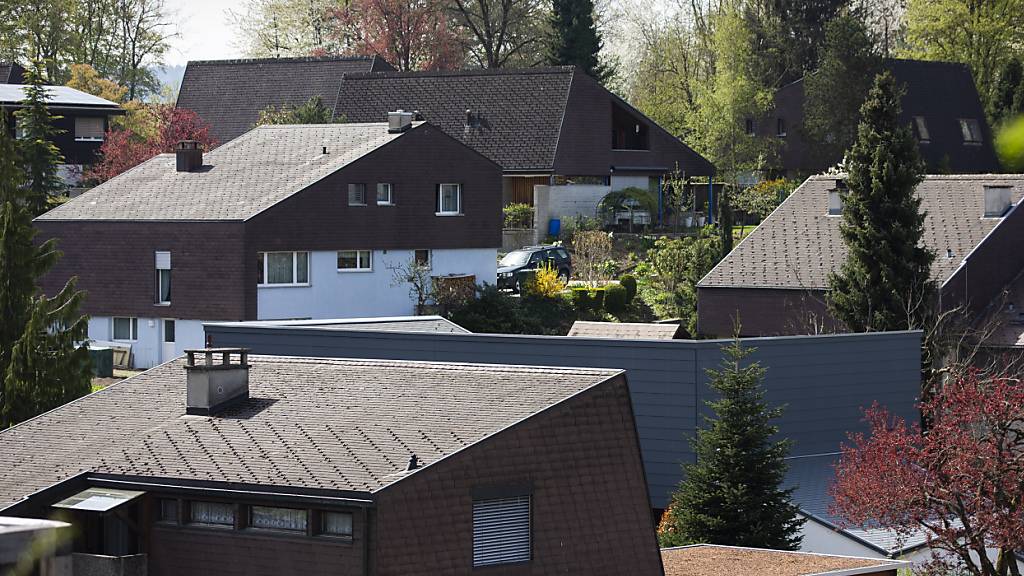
354, 270
88, 139
448, 214
306, 285
164, 304
356, 205
385, 203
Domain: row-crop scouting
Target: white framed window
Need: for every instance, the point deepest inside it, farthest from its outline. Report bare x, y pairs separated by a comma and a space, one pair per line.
921, 127
163, 277
501, 531
270, 518
357, 194
355, 261
449, 199
126, 329
212, 514
337, 524
88, 129
169, 336
384, 194
971, 130
423, 258
283, 268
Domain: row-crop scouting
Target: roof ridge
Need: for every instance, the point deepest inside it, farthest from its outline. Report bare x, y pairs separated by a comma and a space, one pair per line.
458, 366
284, 60
462, 72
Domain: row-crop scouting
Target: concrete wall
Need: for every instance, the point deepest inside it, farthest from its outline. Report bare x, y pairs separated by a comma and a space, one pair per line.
566, 202
359, 294
824, 381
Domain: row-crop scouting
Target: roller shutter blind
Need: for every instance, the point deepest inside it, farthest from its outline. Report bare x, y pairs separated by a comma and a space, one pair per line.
501, 531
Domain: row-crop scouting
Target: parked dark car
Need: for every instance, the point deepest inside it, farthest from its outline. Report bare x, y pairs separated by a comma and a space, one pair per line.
516, 266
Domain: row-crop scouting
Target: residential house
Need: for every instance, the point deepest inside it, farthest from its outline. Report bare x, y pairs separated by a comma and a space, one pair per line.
775, 280
668, 379
81, 121
628, 330
716, 560
940, 104
553, 127
230, 94
229, 463
284, 222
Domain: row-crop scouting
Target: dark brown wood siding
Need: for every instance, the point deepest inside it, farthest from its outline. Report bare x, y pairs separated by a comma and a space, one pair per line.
762, 312
115, 265
590, 510
521, 188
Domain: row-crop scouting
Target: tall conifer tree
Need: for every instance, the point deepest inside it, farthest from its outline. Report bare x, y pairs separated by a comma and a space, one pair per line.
884, 284
38, 152
732, 495
576, 39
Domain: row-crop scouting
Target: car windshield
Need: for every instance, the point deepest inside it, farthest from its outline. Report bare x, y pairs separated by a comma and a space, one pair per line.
516, 258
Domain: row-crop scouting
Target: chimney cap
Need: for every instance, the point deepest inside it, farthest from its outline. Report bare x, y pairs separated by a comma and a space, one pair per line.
414, 463
187, 145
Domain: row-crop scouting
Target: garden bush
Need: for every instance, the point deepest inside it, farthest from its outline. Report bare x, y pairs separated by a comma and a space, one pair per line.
616, 299
628, 281
518, 215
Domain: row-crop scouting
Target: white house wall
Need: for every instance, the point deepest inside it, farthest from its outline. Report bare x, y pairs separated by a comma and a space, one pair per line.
147, 348
359, 294
621, 182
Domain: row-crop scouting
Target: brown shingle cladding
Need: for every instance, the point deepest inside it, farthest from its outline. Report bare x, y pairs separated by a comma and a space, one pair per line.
626, 330
799, 244
310, 423
229, 94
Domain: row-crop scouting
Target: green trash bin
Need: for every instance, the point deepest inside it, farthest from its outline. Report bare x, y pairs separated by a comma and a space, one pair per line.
102, 361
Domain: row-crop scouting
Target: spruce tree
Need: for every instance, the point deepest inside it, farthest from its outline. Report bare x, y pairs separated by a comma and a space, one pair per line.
576, 40
38, 152
725, 221
884, 283
732, 494
44, 361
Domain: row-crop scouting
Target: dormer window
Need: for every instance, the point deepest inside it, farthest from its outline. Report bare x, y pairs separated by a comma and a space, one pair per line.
921, 129
971, 130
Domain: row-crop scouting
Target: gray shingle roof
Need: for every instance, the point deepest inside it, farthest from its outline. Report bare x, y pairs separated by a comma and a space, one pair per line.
799, 244
229, 94
625, 330
313, 423
238, 180
520, 110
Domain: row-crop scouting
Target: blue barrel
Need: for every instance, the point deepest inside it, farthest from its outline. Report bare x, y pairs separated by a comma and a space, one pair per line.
554, 227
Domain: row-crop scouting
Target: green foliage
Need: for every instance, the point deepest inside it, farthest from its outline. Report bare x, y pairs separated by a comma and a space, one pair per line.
837, 89
576, 40
668, 279
725, 220
732, 494
616, 299
41, 354
498, 312
588, 299
545, 283
628, 281
38, 153
311, 111
760, 199
884, 284
518, 215
1007, 100
1010, 145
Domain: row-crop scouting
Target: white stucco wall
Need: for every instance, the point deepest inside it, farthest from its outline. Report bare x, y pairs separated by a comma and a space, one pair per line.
147, 349
567, 202
334, 294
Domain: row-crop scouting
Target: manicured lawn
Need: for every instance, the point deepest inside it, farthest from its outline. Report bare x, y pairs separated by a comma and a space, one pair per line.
740, 232
119, 374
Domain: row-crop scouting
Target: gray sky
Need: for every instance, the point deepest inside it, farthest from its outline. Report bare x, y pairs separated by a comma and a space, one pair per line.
204, 31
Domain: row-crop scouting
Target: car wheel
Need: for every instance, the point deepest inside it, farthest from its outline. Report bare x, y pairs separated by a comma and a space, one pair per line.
518, 288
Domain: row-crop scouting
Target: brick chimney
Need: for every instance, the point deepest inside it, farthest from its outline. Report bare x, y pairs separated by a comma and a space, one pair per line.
189, 155
399, 121
998, 200
217, 381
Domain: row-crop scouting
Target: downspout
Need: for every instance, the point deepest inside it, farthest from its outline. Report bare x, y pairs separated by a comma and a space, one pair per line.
711, 201
661, 180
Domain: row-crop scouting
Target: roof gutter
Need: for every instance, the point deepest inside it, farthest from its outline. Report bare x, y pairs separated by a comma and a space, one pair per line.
297, 495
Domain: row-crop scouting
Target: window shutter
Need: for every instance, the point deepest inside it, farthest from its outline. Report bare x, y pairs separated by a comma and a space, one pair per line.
163, 260
501, 531
88, 128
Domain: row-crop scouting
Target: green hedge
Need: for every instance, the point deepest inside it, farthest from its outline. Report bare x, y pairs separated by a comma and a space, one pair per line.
628, 281
588, 299
616, 298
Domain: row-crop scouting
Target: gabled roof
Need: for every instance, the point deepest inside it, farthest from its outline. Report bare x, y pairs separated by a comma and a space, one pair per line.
56, 96
626, 330
229, 94
520, 111
237, 181
799, 243
310, 423
380, 324
11, 73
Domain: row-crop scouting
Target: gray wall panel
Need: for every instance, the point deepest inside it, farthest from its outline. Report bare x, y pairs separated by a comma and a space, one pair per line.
824, 381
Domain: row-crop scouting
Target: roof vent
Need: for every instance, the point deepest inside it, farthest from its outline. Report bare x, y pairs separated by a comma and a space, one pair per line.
414, 463
997, 200
189, 155
399, 121
214, 386
949, 253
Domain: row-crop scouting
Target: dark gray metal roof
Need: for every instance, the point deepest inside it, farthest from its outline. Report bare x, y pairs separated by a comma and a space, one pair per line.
310, 423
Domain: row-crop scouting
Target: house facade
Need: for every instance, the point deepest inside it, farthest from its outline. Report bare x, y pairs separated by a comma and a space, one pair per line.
775, 281
81, 121
940, 104
549, 127
317, 466
285, 222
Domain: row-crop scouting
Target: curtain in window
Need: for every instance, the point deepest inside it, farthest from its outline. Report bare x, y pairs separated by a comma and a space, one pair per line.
336, 523
123, 328
212, 513
165, 286
278, 518
279, 268
449, 198
301, 267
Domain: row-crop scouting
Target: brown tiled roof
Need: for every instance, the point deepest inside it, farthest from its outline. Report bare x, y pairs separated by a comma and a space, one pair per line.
799, 243
311, 423
712, 560
625, 330
229, 94
238, 180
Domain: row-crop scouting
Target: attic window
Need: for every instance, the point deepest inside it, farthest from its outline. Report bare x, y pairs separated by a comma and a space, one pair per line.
629, 132
971, 130
921, 129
